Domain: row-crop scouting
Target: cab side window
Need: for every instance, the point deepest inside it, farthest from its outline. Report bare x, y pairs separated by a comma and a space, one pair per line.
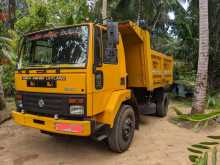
98, 48
107, 59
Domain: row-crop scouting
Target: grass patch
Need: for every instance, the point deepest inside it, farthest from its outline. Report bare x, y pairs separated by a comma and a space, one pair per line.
184, 101
217, 106
181, 102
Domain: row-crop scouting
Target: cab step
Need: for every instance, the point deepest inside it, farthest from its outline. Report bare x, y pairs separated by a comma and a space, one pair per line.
100, 132
101, 137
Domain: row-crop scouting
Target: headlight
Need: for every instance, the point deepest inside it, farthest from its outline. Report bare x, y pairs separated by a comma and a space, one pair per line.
76, 109
19, 104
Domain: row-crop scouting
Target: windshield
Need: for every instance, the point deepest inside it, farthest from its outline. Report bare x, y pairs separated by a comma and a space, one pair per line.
60, 46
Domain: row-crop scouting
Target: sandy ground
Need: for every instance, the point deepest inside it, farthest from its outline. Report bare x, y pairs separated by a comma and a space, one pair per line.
157, 142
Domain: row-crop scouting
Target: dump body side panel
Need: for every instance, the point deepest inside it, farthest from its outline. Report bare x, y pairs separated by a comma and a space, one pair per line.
145, 67
162, 69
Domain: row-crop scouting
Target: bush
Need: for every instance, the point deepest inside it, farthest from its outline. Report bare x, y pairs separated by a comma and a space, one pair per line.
8, 80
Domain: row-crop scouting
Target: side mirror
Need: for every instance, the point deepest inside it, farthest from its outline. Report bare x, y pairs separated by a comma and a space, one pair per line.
112, 41
113, 34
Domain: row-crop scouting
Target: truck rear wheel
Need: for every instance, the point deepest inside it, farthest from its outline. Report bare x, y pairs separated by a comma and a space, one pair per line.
162, 102
122, 133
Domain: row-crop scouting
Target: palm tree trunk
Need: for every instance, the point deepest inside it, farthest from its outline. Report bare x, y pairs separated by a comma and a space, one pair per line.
11, 12
2, 100
139, 12
104, 10
200, 93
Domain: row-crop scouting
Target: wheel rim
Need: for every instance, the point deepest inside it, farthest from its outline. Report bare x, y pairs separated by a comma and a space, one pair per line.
127, 129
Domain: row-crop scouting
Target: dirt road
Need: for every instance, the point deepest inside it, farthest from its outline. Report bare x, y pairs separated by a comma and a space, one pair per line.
158, 142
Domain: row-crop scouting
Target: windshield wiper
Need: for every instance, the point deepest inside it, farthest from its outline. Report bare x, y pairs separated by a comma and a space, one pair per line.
35, 66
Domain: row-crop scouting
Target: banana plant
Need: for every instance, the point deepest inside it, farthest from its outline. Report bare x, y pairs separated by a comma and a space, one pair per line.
8, 46
198, 120
200, 153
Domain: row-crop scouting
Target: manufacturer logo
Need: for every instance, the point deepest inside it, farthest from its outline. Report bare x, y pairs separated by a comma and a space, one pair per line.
41, 103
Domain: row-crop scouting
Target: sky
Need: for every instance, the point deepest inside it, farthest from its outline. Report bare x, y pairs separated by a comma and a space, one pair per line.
184, 4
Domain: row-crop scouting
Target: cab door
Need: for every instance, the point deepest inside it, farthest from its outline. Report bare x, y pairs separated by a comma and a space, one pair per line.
107, 76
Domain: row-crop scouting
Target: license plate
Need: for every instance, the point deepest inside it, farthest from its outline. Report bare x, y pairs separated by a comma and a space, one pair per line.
68, 127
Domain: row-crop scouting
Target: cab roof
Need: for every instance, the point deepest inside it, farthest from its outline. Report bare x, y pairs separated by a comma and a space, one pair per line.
56, 28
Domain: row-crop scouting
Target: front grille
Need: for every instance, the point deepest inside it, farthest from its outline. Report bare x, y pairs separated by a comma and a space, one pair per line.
53, 104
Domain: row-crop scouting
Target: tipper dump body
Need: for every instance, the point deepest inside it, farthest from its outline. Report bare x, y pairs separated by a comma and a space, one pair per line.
145, 67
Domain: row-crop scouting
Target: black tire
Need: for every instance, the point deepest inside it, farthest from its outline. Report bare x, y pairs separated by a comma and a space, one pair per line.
162, 103
122, 133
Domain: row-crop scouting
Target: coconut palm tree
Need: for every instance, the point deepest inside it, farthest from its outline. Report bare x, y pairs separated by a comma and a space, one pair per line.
200, 92
104, 9
7, 55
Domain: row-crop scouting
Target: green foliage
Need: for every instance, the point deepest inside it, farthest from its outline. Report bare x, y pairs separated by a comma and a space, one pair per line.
184, 72
211, 102
213, 99
67, 12
209, 143
8, 43
214, 49
36, 18
178, 112
200, 152
198, 121
155, 14
2, 28
8, 80
200, 117
42, 14
186, 28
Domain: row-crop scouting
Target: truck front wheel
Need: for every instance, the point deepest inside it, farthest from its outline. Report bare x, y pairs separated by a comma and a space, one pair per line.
122, 133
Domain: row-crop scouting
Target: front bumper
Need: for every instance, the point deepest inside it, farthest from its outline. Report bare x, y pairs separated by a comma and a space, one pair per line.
49, 124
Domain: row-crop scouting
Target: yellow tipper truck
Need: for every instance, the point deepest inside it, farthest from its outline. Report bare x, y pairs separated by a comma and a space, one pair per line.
91, 80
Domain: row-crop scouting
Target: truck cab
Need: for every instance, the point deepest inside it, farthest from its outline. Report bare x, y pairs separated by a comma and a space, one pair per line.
90, 80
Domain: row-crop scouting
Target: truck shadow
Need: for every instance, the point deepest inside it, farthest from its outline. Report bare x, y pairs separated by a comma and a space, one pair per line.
68, 149
79, 145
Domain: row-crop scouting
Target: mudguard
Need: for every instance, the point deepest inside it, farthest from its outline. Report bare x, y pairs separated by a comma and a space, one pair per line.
113, 106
